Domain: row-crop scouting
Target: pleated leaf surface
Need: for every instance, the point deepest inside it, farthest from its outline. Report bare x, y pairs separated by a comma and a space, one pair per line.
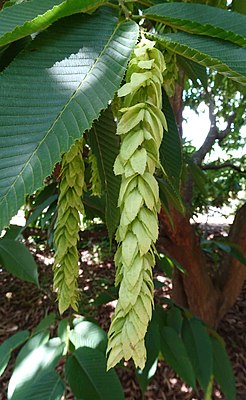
201, 19
23, 19
51, 93
171, 149
227, 58
105, 145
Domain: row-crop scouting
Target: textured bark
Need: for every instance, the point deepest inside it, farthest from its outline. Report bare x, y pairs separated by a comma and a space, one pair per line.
233, 272
177, 102
206, 297
194, 289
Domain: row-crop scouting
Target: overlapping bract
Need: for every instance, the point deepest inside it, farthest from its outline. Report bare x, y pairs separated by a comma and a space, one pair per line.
141, 130
170, 75
95, 181
67, 227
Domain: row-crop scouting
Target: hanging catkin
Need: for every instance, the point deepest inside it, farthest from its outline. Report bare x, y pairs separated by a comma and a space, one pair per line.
67, 227
141, 129
95, 181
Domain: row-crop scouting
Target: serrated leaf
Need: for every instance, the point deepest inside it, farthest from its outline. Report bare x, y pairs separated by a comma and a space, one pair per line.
174, 352
198, 346
17, 260
194, 71
33, 16
222, 369
201, 19
105, 146
37, 362
227, 58
86, 374
171, 149
45, 386
51, 93
8, 346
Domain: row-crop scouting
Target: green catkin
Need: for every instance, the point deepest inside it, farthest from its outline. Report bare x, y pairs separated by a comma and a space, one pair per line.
95, 181
141, 131
171, 72
67, 227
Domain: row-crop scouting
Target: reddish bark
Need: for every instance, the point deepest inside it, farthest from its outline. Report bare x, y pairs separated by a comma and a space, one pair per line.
233, 272
206, 297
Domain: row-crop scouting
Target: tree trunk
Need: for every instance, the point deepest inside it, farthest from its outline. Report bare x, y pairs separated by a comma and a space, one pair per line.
206, 297
233, 272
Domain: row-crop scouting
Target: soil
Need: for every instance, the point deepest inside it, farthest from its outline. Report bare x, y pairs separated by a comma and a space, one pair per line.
22, 306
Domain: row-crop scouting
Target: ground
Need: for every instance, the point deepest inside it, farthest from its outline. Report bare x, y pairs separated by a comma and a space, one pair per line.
22, 306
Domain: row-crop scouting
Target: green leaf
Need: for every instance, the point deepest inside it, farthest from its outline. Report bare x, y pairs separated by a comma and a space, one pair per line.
201, 19
198, 346
13, 232
63, 330
232, 249
165, 264
105, 145
37, 211
86, 374
10, 51
175, 319
8, 346
45, 323
170, 149
17, 260
239, 6
51, 93
175, 354
226, 58
33, 343
199, 177
105, 297
94, 206
152, 344
171, 193
194, 71
88, 334
33, 16
46, 386
223, 370
29, 369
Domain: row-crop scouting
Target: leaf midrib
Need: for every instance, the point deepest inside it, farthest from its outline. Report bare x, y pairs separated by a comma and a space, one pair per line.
45, 15
184, 46
59, 116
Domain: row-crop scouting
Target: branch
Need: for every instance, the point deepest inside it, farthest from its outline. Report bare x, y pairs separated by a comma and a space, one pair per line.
199, 155
224, 165
224, 133
213, 134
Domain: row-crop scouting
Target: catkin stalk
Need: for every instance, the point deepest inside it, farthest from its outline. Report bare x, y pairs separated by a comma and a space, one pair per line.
141, 130
67, 227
